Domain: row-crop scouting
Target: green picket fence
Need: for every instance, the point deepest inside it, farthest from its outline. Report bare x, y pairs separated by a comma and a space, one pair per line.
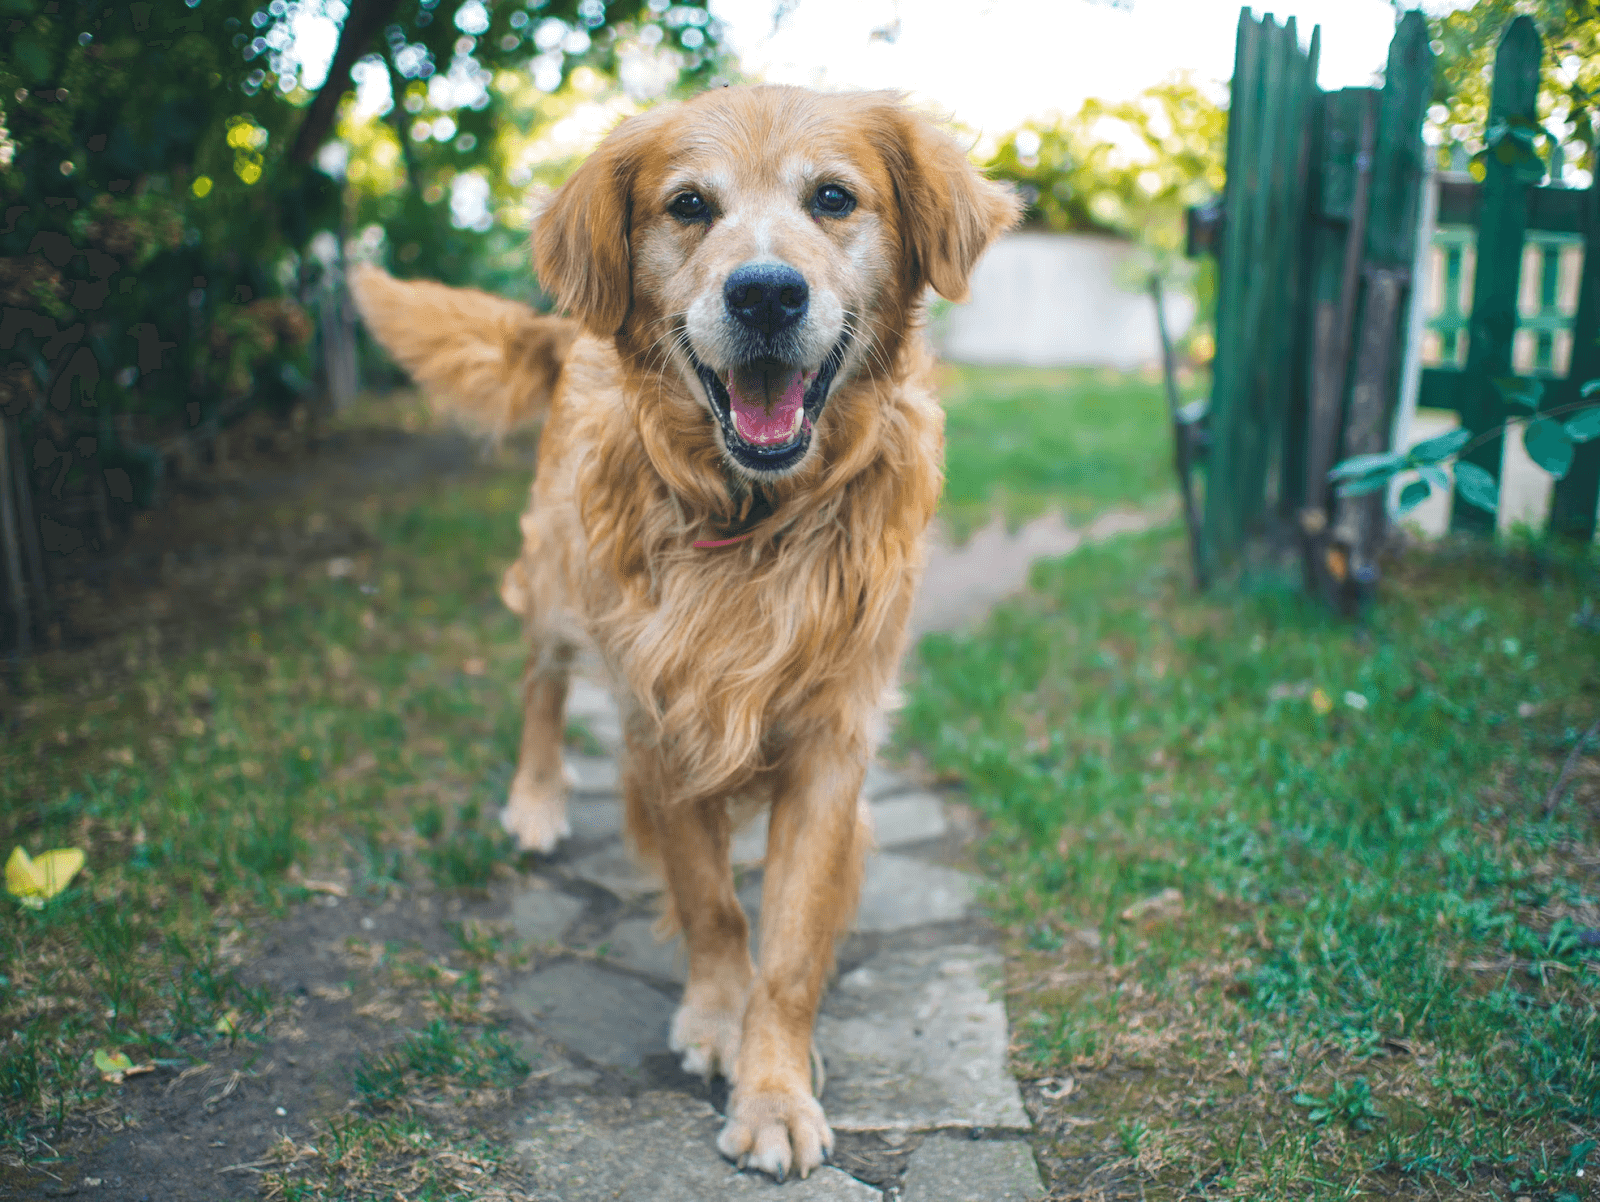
1317, 252
1518, 234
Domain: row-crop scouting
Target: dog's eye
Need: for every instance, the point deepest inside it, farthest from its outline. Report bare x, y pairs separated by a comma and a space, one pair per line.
689, 207
833, 200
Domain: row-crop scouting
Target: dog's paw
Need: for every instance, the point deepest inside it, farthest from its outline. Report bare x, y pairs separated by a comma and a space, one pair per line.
707, 1039
776, 1133
536, 814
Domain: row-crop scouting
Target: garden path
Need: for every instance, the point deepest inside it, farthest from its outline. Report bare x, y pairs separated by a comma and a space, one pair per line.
913, 1031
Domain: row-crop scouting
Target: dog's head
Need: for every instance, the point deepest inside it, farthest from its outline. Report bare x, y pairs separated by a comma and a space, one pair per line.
765, 245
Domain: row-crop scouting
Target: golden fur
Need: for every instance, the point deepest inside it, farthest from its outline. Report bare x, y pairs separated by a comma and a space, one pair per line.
753, 672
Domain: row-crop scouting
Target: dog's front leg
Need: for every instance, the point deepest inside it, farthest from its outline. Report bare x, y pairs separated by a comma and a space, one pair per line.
692, 842
815, 848
536, 810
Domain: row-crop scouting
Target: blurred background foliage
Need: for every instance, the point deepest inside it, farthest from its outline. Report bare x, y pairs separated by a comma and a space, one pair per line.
1129, 168
1465, 42
180, 186
175, 205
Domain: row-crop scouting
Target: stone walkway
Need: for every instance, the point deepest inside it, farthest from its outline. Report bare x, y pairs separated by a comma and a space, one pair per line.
913, 1035
913, 1030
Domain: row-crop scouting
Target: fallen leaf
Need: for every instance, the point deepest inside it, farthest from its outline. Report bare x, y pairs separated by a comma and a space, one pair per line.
114, 1066
1320, 701
111, 1062
36, 881
228, 1024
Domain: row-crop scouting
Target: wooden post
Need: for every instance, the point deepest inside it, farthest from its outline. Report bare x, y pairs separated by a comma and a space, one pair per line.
9, 542
1500, 235
1233, 275
1182, 439
1259, 331
1335, 323
1391, 244
31, 549
1572, 507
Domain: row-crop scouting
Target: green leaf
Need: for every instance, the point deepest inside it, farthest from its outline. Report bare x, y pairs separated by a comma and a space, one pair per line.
1477, 487
1442, 447
1517, 391
1584, 426
1385, 462
1549, 446
1364, 485
1412, 495
1589, 389
111, 1062
1435, 476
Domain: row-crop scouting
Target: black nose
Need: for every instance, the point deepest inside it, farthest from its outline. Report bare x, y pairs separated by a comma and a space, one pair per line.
766, 296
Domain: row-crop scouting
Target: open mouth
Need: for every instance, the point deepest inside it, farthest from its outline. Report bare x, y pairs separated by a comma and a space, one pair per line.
768, 408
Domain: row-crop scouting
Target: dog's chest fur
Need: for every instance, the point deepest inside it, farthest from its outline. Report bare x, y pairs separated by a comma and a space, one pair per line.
802, 625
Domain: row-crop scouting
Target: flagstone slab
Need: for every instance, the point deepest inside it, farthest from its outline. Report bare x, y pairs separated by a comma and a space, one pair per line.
632, 943
950, 1169
593, 706
592, 819
592, 773
615, 869
883, 782
901, 892
607, 1017
660, 1146
908, 818
915, 1040
750, 842
542, 915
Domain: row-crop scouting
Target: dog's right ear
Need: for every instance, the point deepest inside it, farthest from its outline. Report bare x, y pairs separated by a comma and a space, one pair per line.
581, 237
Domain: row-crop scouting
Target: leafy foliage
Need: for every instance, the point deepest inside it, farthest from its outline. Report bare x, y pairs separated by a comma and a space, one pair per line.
1465, 42
1550, 443
170, 218
1129, 168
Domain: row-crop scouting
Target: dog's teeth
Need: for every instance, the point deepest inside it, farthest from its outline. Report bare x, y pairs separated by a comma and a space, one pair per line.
799, 416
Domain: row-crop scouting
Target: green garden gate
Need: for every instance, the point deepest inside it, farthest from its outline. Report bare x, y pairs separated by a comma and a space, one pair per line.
1316, 239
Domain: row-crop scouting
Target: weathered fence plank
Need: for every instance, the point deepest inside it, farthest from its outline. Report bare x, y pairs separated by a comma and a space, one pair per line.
1391, 245
1572, 507
1503, 224
1261, 277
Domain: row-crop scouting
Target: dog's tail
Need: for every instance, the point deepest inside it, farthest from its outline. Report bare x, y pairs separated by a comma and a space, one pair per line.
491, 362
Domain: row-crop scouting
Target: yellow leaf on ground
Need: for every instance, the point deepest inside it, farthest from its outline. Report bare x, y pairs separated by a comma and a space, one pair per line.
111, 1062
114, 1066
228, 1024
36, 881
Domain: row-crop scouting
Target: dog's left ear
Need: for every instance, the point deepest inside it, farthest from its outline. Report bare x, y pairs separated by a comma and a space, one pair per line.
581, 237
949, 213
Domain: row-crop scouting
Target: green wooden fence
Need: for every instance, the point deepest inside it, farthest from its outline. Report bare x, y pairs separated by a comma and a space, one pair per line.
1318, 245
1502, 220
1319, 231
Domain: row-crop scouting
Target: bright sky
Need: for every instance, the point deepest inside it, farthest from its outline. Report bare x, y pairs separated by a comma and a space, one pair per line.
991, 64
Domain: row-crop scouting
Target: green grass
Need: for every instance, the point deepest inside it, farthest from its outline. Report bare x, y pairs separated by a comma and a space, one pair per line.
1279, 890
359, 728
1023, 440
438, 1057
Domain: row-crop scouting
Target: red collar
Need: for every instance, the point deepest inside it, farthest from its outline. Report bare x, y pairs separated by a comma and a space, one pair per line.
706, 544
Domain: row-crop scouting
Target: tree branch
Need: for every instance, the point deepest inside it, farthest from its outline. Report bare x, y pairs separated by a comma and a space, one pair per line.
366, 18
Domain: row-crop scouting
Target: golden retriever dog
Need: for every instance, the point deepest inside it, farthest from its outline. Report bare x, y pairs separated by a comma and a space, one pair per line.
740, 460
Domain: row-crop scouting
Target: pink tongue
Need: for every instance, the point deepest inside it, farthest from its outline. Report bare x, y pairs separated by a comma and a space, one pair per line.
757, 423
